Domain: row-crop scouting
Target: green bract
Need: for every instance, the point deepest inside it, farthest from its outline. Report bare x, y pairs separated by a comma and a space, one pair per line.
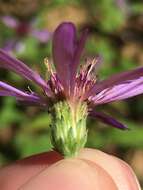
68, 129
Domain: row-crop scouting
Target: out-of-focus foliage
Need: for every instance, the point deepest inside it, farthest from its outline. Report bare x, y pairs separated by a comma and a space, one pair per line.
116, 33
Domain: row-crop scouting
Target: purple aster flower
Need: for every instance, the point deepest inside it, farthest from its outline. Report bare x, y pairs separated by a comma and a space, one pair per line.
22, 29
72, 91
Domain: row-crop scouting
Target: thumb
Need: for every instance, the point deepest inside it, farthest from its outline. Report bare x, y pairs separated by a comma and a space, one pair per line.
121, 172
69, 174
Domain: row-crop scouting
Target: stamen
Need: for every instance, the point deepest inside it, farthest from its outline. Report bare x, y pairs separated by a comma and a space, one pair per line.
30, 90
48, 66
91, 66
85, 79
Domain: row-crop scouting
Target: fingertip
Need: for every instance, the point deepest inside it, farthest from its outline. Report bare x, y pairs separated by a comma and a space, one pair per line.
16, 174
120, 171
69, 174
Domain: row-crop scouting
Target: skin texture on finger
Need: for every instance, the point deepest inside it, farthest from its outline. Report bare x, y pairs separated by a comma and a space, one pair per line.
71, 174
121, 172
19, 173
14, 175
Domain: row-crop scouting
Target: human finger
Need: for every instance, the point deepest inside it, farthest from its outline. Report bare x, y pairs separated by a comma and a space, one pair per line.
121, 172
69, 174
16, 174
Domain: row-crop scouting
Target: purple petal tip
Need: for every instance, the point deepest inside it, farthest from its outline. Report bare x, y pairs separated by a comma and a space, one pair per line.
108, 120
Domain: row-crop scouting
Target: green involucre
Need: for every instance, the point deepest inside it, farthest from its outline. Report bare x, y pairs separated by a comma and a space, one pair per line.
68, 131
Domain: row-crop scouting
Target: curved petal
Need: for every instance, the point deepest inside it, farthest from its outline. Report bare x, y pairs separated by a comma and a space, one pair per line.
66, 53
116, 79
120, 92
108, 120
64, 45
77, 56
8, 62
8, 90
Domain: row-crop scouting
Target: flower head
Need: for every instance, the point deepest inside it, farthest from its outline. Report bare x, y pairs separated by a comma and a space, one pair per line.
72, 91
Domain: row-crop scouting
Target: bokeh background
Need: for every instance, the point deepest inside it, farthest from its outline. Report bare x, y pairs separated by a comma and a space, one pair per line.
116, 33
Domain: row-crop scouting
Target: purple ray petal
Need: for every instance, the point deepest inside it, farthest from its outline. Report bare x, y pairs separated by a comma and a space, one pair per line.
120, 92
80, 46
42, 35
64, 45
77, 56
115, 80
9, 21
108, 120
8, 90
32, 103
67, 50
8, 62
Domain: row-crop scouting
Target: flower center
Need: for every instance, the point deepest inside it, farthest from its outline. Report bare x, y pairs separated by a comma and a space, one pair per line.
86, 79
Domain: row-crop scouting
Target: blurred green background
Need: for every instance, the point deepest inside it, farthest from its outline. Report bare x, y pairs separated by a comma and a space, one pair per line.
116, 33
